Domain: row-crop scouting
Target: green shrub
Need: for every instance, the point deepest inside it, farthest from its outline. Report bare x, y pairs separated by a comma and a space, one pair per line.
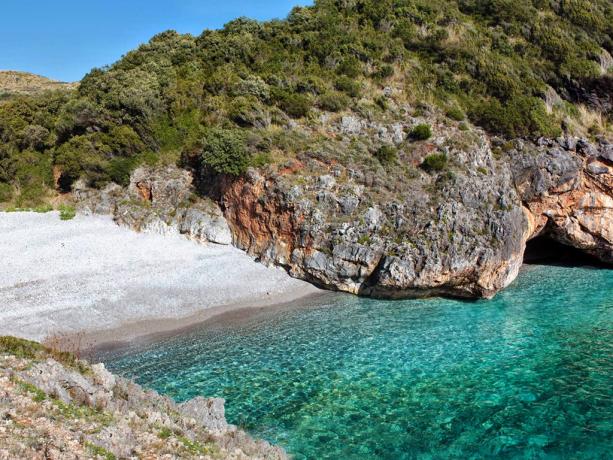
295, 105
67, 212
350, 67
333, 102
384, 71
435, 162
6, 192
386, 154
421, 132
522, 116
348, 86
224, 151
456, 114
247, 112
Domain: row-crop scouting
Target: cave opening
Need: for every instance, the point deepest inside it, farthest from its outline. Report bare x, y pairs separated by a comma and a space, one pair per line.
544, 250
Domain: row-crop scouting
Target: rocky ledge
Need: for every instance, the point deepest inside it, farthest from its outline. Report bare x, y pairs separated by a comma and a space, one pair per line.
53, 406
360, 226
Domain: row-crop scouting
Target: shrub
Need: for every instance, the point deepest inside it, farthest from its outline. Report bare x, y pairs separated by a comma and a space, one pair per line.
386, 154
383, 72
350, 66
522, 116
120, 169
421, 132
348, 86
333, 102
224, 151
295, 105
435, 162
456, 114
67, 212
248, 112
6, 192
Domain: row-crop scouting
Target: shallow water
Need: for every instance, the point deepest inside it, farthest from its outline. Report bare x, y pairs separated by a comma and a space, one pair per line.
526, 375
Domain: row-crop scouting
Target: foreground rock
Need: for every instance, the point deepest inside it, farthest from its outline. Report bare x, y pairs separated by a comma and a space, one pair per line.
55, 407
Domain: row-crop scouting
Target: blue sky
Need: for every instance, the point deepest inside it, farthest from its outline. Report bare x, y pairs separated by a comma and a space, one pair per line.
64, 39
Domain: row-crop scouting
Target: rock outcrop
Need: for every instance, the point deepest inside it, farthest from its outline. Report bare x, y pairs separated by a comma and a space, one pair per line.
158, 200
461, 232
53, 406
567, 189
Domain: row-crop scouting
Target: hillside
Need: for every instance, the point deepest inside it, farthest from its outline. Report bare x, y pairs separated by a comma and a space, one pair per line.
389, 147
55, 406
12, 82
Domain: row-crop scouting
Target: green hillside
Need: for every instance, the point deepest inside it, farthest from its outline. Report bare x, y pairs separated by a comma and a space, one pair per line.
224, 99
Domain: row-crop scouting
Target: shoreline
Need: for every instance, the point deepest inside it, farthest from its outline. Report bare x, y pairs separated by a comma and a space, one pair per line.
149, 331
86, 282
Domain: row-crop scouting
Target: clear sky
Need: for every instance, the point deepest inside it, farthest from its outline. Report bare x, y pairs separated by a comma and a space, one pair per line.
64, 39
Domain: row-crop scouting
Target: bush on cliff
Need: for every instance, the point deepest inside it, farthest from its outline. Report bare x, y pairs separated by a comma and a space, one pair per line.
435, 162
421, 132
223, 151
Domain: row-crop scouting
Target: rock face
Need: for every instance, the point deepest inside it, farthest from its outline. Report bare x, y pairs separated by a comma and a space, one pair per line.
159, 200
567, 188
460, 233
69, 409
402, 231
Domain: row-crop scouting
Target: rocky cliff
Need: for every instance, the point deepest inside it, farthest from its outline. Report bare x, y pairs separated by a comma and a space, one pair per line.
53, 406
462, 233
405, 229
567, 188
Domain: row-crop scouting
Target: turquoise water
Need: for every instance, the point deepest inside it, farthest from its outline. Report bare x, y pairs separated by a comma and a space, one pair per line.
526, 375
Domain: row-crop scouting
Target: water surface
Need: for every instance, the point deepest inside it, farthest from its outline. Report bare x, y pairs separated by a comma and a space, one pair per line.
526, 375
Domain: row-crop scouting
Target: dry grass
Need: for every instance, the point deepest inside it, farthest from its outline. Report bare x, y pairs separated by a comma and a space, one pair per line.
590, 121
12, 82
73, 344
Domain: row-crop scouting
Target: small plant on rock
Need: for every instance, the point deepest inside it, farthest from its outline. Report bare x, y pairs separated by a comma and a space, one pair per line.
386, 154
421, 132
435, 162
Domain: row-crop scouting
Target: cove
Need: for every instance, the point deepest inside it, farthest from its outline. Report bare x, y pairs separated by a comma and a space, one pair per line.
528, 374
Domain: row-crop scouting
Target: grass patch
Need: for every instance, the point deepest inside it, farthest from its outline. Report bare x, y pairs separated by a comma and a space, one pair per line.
195, 447
100, 451
67, 212
27, 349
25, 387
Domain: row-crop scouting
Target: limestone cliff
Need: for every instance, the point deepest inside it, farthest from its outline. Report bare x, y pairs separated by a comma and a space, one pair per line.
459, 231
567, 189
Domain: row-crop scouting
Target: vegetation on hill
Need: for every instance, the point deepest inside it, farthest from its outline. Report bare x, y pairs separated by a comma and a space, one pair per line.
223, 100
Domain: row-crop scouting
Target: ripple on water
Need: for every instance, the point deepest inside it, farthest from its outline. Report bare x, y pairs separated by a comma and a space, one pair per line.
526, 375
